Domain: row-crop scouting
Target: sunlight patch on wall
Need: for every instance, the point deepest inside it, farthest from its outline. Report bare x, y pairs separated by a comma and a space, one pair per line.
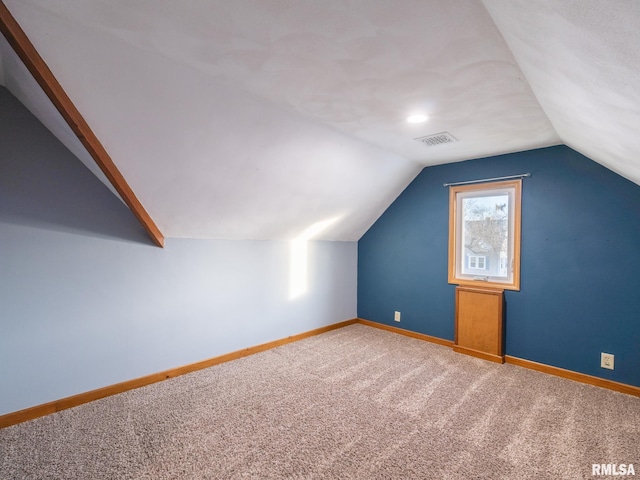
299, 258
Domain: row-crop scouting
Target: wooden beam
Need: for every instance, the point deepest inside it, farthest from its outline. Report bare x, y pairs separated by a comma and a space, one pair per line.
47, 81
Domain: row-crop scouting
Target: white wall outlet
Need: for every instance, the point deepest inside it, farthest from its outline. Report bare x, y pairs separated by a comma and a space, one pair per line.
606, 360
396, 316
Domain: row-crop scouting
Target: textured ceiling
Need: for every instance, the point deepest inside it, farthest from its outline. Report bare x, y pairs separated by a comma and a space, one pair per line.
258, 119
582, 59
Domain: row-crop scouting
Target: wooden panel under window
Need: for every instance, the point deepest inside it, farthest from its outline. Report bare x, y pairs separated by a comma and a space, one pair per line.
478, 327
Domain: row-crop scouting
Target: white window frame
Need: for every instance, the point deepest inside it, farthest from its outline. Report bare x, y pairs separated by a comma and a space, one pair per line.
476, 260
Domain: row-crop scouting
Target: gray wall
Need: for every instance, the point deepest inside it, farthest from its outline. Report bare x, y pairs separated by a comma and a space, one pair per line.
87, 301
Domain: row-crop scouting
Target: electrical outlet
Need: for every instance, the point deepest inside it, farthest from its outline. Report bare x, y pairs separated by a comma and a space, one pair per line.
396, 316
606, 360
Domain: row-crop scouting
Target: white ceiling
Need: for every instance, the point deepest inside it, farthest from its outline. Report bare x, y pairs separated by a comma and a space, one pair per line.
259, 118
582, 59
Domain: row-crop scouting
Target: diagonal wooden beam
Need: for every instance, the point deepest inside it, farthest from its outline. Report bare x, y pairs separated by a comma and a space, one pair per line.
47, 81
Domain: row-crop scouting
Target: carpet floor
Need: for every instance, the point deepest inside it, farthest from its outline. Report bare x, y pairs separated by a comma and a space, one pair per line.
356, 402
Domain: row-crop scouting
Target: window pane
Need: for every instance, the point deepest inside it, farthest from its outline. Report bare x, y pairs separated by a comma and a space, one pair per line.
485, 234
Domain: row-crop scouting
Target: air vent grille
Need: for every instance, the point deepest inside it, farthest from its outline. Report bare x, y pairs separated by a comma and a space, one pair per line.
437, 139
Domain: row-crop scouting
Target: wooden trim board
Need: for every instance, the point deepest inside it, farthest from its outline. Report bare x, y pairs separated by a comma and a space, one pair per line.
576, 376
558, 372
407, 333
86, 397
26, 51
478, 354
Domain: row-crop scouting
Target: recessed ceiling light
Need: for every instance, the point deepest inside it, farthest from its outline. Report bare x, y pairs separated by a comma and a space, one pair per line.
417, 118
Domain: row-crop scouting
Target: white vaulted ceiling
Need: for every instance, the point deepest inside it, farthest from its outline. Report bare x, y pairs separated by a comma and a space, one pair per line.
260, 118
582, 59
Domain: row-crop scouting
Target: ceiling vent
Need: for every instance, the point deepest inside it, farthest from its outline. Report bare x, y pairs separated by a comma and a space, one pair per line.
437, 139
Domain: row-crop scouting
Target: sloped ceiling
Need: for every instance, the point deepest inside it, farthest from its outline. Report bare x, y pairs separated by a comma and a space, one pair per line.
260, 119
25, 88
582, 59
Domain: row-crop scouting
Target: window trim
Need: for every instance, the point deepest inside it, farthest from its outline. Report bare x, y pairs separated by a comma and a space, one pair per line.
516, 208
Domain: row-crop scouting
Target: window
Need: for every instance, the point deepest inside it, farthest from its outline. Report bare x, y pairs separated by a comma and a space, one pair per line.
476, 261
484, 234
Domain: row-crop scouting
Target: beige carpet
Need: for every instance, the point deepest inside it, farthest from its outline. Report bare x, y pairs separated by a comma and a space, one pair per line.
357, 402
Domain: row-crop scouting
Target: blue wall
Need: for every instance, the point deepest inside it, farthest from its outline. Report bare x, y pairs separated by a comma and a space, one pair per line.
87, 301
580, 277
